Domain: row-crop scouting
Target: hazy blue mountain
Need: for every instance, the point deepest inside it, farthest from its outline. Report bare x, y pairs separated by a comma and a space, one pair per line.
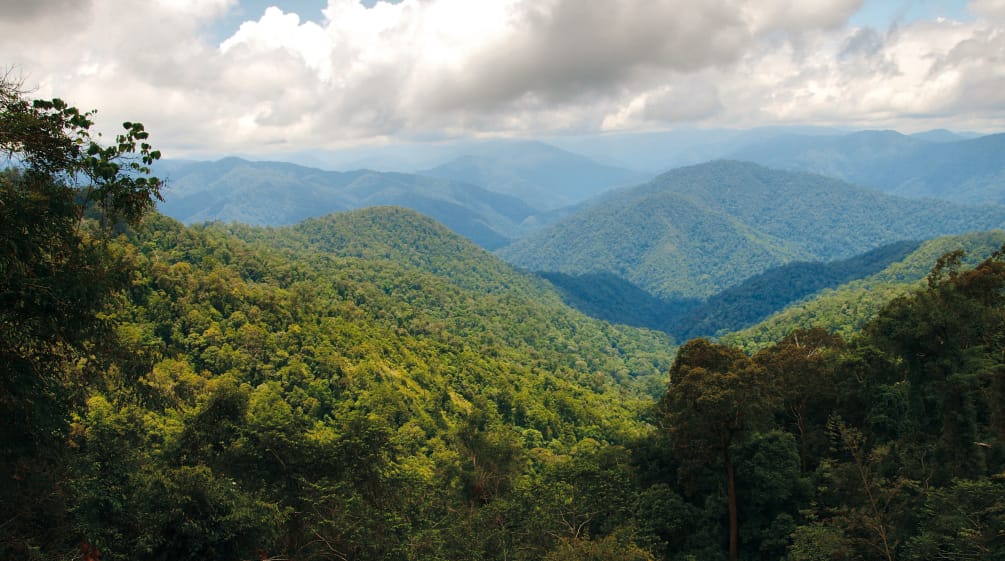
938, 164
695, 231
416, 156
943, 135
274, 193
657, 152
544, 176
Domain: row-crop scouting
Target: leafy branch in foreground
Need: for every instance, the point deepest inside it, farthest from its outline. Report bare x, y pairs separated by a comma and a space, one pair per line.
56, 277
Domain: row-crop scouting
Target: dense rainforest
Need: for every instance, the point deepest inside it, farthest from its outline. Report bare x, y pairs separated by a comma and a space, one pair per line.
371, 386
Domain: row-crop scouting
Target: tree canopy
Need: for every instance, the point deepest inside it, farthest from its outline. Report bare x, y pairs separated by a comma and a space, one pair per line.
57, 273
372, 386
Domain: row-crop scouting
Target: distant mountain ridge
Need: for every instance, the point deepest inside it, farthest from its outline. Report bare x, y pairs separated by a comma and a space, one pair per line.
544, 176
937, 164
276, 194
695, 231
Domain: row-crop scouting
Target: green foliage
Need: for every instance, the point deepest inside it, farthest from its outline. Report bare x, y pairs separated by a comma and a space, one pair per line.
57, 274
374, 395
138, 499
606, 549
803, 367
846, 309
885, 447
965, 520
718, 396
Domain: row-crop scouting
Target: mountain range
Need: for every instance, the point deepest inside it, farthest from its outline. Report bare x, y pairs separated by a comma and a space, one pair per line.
937, 165
495, 194
695, 231
544, 176
276, 194
697, 251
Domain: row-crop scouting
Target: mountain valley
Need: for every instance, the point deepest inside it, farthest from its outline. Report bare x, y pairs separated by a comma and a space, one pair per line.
725, 362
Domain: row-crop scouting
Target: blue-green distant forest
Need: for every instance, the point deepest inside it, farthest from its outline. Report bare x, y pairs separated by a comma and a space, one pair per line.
727, 361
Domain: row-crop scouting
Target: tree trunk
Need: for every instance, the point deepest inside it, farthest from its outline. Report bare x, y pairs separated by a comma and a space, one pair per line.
801, 423
734, 524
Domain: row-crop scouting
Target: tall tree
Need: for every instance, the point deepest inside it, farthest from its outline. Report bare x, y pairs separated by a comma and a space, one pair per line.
802, 369
717, 395
948, 341
56, 274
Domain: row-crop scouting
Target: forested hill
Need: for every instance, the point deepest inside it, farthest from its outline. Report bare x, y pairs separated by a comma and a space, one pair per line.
846, 308
483, 298
386, 371
275, 193
763, 294
398, 235
695, 231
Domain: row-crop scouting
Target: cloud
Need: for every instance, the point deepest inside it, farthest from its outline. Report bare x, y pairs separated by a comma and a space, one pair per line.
687, 101
570, 49
277, 32
926, 73
422, 68
20, 11
796, 17
990, 9
863, 42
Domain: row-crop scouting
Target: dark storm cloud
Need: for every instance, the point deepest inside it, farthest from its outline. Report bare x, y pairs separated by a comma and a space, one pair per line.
24, 10
569, 49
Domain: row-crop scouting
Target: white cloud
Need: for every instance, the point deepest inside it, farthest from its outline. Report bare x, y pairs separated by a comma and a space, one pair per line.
500, 67
277, 31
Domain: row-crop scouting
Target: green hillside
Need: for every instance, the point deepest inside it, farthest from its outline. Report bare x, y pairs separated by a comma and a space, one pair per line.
845, 309
388, 351
763, 294
661, 242
511, 308
695, 231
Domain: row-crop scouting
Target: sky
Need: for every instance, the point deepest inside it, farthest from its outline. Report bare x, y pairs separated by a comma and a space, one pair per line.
260, 77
